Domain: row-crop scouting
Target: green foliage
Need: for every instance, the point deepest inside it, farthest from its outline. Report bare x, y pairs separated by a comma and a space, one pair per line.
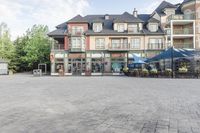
7, 49
26, 52
33, 48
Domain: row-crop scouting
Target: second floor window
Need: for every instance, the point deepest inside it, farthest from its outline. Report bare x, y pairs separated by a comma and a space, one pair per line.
77, 30
135, 43
155, 44
97, 27
100, 43
76, 42
120, 28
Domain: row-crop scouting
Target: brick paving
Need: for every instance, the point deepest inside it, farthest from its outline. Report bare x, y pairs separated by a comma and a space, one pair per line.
98, 105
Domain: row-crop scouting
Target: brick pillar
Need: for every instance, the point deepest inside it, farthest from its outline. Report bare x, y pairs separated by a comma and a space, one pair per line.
66, 43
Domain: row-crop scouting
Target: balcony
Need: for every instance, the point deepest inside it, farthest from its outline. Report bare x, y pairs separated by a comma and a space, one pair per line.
76, 33
185, 31
155, 46
57, 47
119, 47
181, 17
183, 45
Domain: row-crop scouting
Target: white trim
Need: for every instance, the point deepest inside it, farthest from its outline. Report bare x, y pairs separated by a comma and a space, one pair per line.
83, 74
68, 74
54, 74
96, 74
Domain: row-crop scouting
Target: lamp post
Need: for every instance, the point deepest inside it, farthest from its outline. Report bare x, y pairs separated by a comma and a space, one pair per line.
172, 61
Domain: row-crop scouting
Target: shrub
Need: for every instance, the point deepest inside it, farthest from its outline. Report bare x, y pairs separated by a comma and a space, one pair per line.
125, 69
168, 72
134, 72
144, 73
154, 72
183, 70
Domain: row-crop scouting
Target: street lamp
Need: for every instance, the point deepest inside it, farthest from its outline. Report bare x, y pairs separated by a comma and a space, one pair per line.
172, 61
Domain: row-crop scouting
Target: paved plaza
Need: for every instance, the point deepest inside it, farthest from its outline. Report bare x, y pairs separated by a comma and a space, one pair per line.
98, 105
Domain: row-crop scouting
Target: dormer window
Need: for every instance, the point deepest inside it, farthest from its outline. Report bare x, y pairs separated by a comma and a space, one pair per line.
120, 28
133, 28
153, 27
97, 27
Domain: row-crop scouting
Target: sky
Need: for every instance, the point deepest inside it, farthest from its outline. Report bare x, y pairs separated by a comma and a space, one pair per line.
20, 15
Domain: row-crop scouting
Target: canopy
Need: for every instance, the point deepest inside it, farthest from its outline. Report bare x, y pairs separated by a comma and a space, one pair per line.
176, 53
137, 59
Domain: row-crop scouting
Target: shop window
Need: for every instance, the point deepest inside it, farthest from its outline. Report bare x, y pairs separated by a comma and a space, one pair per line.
97, 65
117, 65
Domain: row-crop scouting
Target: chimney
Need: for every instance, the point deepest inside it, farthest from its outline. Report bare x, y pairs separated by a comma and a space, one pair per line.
107, 17
135, 13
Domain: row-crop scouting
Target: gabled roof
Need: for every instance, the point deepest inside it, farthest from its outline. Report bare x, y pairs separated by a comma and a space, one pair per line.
57, 32
147, 18
127, 17
77, 19
162, 6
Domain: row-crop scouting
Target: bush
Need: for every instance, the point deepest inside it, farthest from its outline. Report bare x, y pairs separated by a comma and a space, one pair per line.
134, 72
168, 72
183, 70
144, 73
125, 69
154, 72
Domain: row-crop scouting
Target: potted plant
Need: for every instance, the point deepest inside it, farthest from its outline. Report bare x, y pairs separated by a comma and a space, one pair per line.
168, 72
144, 73
154, 72
183, 70
126, 71
134, 72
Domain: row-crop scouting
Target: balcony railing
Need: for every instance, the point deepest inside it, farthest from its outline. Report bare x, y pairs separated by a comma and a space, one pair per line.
183, 45
57, 46
80, 48
155, 46
181, 17
119, 46
76, 32
184, 31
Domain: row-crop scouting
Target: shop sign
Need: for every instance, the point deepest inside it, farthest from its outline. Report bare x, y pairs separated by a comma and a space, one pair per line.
96, 55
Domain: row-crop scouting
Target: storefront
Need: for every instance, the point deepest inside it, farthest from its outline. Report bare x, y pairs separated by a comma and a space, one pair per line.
76, 64
118, 62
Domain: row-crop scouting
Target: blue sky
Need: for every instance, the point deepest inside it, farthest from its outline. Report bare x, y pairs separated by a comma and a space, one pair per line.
22, 14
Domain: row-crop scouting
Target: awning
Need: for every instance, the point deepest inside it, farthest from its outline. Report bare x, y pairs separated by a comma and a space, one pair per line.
176, 53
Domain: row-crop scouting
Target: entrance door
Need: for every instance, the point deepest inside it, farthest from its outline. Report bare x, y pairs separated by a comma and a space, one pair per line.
77, 66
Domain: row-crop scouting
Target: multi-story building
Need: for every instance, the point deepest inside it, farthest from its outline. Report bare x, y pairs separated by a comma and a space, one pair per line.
104, 44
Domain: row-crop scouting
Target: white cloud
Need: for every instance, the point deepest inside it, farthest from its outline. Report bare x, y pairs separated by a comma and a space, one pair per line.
22, 14
156, 3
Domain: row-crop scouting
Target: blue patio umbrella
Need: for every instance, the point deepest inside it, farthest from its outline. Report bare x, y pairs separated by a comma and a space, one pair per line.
136, 61
177, 53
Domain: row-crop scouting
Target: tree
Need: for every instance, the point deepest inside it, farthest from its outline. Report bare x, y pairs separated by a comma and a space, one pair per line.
7, 49
33, 48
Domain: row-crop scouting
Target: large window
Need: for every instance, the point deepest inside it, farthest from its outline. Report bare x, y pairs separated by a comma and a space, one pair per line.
135, 43
97, 27
120, 28
76, 42
155, 44
100, 43
77, 30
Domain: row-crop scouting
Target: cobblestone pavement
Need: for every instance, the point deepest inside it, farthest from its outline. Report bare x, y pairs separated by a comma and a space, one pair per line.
98, 105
